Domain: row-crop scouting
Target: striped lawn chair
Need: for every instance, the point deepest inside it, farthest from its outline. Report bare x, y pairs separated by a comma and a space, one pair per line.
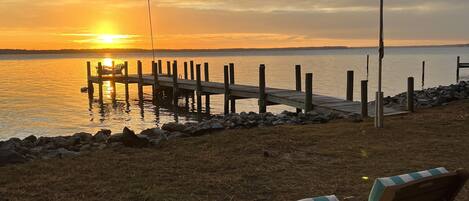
430, 185
323, 198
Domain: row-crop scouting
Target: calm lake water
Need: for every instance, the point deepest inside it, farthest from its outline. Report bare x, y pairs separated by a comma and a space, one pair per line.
40, 94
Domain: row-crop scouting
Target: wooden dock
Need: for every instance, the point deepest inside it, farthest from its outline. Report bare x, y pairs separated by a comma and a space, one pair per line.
173, 86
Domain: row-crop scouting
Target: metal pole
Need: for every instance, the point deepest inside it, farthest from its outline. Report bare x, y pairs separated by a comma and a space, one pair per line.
379, 96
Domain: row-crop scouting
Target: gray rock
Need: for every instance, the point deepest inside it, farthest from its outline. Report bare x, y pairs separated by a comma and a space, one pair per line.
172, 127
102, 135
85, 148
61, 142
115, 138
84, 137
30, 141
129, 139
60, 153
156, 142
154, 133
217, 126
11, 157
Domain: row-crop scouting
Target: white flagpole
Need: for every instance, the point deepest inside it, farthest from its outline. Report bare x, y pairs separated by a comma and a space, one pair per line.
379, 115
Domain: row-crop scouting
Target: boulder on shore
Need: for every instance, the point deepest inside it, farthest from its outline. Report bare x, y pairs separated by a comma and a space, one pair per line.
11, 157
129, 139
173, 127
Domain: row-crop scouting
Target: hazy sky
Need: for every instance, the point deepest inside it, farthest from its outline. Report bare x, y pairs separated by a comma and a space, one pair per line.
56, 24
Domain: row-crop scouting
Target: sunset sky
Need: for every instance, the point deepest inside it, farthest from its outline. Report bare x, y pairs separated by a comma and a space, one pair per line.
60, 24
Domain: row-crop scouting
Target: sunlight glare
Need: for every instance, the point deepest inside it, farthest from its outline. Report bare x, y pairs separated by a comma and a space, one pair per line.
107, 62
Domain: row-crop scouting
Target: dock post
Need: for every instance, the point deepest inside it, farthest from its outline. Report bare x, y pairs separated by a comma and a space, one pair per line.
140, 81
160, 67
186, 75
207, 96
309, 92
298, 82
156, 85
410, 94
192, 70
350, 85
457, 70
364, 99
168, 68
199, 93
100, 77
192, 77
175, 82
113, 83
423, 75
126, 81
227, 90
232, 82
262, 95
90, 82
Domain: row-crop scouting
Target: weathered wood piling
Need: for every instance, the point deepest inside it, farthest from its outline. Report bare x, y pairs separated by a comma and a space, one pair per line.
90, 82
262, 94
226, 102
410, 94
298, 82
350, 85
126, 80
140, 81
199, 93
309, 92
232, 82
364, 98
207, 96
100, 82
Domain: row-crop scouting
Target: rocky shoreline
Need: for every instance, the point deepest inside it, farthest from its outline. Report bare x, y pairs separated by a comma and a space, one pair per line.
17, 150
431, 97
31, 148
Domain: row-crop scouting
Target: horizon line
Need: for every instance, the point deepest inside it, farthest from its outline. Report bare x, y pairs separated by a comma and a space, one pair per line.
123, 50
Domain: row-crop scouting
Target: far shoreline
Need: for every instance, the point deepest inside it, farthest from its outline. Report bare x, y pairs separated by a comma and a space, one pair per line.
138, 50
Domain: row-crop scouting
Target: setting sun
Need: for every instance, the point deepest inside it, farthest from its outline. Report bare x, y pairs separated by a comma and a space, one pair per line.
106, 38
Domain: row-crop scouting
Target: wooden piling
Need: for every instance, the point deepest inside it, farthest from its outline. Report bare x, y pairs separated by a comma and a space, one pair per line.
199, 93
113, 83
309, 92
156, 84
126, 80
364, 99
90, 82
410, 94
457, 69
186, 75
175, 81
298, 82
160, 67
423, 75
262, 94
168, 68
192, 69
232, 82
140, 81
227, 90
207, 96
350, 85
100, 77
